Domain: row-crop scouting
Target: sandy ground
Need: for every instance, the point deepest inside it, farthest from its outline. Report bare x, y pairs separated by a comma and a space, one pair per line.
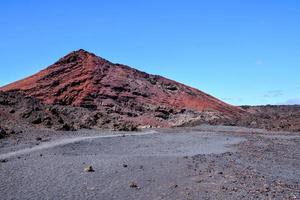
205, 162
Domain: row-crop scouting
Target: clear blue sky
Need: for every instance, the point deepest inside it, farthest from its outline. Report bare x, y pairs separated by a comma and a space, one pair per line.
241, 51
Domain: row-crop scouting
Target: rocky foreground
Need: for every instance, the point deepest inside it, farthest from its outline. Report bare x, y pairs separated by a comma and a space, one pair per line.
206, 162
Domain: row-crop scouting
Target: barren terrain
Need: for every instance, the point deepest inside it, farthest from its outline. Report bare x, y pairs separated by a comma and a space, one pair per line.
204, 162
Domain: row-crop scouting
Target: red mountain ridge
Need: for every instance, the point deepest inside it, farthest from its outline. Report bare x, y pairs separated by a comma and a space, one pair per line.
82, 79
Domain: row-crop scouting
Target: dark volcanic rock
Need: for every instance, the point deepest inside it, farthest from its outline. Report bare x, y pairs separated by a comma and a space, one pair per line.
270, 117
30, 112
2, 133
89, 169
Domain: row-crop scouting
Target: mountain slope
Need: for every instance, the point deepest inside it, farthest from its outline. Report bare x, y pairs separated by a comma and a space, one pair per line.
82, 79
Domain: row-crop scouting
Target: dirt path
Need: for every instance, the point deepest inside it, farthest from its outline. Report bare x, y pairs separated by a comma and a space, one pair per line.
52, 144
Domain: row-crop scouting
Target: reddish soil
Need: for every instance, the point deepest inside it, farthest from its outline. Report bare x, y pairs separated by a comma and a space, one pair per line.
82, 79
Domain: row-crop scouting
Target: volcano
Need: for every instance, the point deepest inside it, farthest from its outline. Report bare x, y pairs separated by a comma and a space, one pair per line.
82, 79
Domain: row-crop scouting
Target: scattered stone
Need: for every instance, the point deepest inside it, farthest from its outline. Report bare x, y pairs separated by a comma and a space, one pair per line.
134, 185
265, 188
91, 188
2, 133
224, 188
89, 168
12, 111
37, 121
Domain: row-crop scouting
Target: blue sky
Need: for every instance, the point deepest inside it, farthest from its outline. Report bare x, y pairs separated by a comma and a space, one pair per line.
241, 51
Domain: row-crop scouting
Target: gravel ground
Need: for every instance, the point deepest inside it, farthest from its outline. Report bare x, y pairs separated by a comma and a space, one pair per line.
205, 162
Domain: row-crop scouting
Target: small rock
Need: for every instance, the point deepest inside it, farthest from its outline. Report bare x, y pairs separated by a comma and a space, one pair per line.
89, 168
134, 185
124, 165
2, 133
265, 188
3, 161
91, 188
292, 196
223, 188
37, 121
38, 139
